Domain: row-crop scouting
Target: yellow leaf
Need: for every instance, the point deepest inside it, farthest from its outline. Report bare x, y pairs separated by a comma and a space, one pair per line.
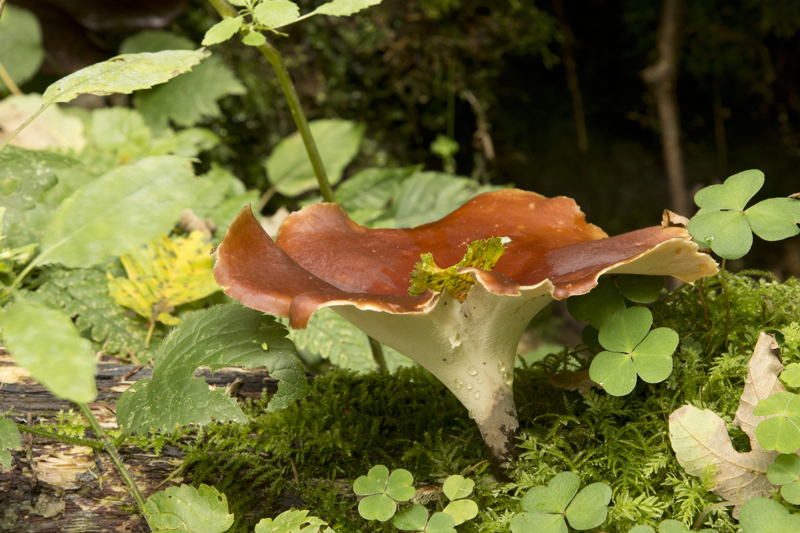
164, 274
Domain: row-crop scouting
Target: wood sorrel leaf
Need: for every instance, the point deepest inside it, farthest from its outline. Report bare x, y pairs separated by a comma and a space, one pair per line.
126, 207
785, 469
623, 331
412, 518
653, 356
640, 289
343, 8
225, 335
373, 483
762, 515
456, 487
185, 508
462, 510
791, 375
9, 439
597, 305
726, 232
400, 486
123, 74
555, 497
613, 371
222, 30
589, 509
733, 194
441, 523
780, 432
276, 13
60, 359
378, 507
775, 219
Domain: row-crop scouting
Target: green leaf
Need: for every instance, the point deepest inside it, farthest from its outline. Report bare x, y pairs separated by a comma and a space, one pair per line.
774, 404
598, 304
762, 515
331, 337
727, 232
123, 74
785, 469
222, 30
291, 521
47, 343
378, 507
343, 8
775, 219
791, 492
96, 222
642, 529
456, 487
185, 508
640, 289
653, 357
462, 510
225, 335
83, 295
289, 168
276, 13
371, 189
527, 522
412, 518
733, 194
589, 509
623, 331
21, 51
9, 439
373, 483
254, 38
555, 497
672, 526
780, 432
155, 41
400, 486
791, 375
441, 523
614, 371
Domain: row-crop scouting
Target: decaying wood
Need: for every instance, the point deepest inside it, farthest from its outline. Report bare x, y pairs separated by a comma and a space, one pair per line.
54, 487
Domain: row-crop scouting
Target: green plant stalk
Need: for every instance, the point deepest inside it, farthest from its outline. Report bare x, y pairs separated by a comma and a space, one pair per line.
24, 125
61, 438
115, 458
727, 301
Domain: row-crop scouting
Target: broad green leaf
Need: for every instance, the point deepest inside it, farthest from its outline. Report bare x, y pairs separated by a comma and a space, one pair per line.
366, 195
623, 331
83, 295
289, 168
640, 289
343, 8
412, 518
378, 507
555, 497
775, 219
124, 74
124, 208
778, 433
400, 486
642, 529
785, 469
462, 510
762, 515
225, 335
373, 483
456, 487
598, 304
21, 51
653, 356
613, 371
529, 522
276, 13
331, 337
163, 275
774, 404
791, 375
791, 492
9, 439
441, 523
155, 41
121, 131
254, 38
47, 343
291, 521
589, 509
185, 508
727, 232
222, 30
733, 194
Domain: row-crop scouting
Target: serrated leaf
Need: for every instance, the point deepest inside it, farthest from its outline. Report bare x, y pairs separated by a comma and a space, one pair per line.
21, 50
762, 515
165, 274
276, 13
775, 219
291, 521
462, 510
83, 295
124, 208
598, 304
733, 194
47, 343
185, 508
456, 487
622, 332
344, 8
222, 30
289, 169
589, 509
412, 518
9, 439
123, 74
333, 338
377, 507
226, 335
640, 289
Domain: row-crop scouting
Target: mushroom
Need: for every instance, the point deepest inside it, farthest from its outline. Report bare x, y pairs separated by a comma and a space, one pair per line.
321, 258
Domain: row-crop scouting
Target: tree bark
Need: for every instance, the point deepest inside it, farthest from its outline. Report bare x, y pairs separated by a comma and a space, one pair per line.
662, 77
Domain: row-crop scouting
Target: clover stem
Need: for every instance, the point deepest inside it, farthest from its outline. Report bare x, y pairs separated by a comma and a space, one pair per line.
727, 301
276, 60
377, 354
115, 458
703, 301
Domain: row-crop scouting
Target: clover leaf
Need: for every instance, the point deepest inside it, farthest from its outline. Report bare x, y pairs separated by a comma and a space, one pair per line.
785, 471
668, 526
382, 491
415, 518
456, 488
762, 515
724, 225
548, 509
791, 375
780, 432
631, 349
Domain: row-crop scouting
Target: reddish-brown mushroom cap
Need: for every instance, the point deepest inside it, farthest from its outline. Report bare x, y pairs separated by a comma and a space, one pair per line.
322, 258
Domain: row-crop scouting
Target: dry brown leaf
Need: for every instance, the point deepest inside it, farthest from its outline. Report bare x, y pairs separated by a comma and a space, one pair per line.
762, 381
53, 129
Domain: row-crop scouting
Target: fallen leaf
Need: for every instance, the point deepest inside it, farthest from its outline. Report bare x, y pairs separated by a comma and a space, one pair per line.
762, 381
53, 129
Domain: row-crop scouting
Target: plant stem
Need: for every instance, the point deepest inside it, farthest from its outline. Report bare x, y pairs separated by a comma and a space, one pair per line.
115, 458
377, 354
62, 438
727, 301
703, 301
707, 510
6, 78
276, 60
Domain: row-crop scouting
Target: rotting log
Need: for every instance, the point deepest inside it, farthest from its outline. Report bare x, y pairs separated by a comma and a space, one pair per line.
54, 487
